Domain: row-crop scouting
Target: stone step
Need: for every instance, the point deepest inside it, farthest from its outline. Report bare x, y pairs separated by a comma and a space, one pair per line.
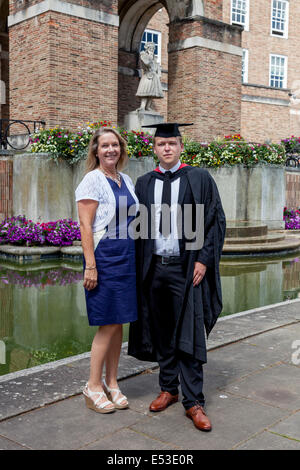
240, 229
288, 244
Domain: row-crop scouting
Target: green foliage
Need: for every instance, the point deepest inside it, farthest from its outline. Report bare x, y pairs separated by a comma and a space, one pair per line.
229, 151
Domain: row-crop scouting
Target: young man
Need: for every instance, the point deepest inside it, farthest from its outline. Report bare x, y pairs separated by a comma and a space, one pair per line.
179, 291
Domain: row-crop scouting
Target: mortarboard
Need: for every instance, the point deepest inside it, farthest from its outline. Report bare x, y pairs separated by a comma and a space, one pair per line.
167, 129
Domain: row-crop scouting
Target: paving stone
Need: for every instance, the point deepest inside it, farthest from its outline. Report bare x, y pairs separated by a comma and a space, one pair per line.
226, 415
36, 390
141, 390
277, 344
289, 427
242, 327
278, 386
251, 389
240, 359
6, 444
126, 439
269, 441
65, 425
28, 392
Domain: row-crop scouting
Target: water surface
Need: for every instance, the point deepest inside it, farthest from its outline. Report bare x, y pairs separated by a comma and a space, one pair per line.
43, 315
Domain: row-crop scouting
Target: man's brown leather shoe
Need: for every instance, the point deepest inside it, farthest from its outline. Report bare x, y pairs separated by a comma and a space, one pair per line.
163, 400
199, 418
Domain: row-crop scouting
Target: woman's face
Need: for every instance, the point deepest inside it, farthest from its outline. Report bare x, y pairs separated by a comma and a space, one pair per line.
109, 150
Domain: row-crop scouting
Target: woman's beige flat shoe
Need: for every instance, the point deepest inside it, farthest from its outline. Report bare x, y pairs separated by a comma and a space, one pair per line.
94, 404
116, 396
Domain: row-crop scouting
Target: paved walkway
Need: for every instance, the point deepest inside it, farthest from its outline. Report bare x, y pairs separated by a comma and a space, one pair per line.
252, 383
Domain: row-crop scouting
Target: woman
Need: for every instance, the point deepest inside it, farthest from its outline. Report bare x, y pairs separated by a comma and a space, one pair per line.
103, 197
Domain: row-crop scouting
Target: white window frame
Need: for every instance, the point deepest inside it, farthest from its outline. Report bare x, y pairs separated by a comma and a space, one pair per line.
284, 85
246, 24
286, 24
246, 65
153, 31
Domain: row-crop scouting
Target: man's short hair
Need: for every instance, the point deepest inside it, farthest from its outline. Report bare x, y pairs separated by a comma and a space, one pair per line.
177, 137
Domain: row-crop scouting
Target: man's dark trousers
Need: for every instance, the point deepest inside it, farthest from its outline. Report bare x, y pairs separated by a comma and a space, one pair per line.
165, 288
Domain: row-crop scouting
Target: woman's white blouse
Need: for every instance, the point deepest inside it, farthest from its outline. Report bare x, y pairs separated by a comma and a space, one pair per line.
96, 187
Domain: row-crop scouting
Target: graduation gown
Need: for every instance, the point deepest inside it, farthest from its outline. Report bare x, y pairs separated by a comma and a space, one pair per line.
201, 305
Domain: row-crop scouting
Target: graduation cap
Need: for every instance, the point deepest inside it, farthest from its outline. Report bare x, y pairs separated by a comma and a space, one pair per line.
167, 129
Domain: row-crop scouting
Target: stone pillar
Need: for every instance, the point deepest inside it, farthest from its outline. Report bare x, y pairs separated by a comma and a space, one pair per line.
205, 63
6, 184
63, 61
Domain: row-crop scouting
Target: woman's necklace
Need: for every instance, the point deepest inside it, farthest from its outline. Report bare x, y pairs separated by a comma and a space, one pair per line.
116, 178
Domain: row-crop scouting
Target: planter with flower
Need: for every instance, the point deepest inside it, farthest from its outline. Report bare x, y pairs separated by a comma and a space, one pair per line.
20, 231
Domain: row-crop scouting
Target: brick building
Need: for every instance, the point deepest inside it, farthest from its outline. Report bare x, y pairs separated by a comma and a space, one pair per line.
67, 62
271, 66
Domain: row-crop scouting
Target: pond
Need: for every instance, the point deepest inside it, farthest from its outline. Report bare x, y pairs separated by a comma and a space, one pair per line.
43, 315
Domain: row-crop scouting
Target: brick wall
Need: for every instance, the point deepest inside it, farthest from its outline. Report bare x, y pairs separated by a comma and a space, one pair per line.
4, 74
213, 9
204, 84
68, 73
6, 182
261, 121
292, 189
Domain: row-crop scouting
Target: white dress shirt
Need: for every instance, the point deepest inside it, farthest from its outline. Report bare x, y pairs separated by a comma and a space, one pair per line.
167, 246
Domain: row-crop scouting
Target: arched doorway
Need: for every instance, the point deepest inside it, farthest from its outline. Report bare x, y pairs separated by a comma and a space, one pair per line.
140, 23
204, 63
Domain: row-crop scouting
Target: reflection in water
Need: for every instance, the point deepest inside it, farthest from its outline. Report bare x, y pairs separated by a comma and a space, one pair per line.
253, 283
43, 313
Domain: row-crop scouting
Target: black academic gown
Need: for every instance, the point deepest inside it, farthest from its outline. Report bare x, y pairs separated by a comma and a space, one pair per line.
201, 305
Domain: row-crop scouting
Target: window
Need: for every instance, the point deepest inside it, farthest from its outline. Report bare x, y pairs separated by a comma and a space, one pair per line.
279, 19
245, 66
152, 36
240, 13
278, 71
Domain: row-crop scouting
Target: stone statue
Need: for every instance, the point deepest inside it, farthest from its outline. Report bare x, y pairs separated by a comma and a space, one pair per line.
150, 85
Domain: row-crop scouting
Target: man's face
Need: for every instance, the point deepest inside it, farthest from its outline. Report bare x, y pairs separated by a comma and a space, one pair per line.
168, 151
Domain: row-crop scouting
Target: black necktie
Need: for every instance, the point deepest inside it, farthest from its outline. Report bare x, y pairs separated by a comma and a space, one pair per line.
166, 199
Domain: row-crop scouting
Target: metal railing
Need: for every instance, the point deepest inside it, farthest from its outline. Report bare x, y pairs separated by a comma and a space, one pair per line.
16, 133
293, 160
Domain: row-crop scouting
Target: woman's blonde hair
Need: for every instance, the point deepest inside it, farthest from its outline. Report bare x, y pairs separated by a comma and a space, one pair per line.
92, 161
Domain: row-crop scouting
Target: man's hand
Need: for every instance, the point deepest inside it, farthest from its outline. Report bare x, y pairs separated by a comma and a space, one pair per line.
199, 273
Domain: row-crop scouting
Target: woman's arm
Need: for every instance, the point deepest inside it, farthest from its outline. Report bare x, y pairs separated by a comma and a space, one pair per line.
87, 211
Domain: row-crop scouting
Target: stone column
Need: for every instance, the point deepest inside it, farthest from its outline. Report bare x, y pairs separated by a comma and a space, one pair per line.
64, 61
6, 184
205, 66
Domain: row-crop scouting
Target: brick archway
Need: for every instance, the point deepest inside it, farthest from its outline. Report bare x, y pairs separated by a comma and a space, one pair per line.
204, 65
135, 15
